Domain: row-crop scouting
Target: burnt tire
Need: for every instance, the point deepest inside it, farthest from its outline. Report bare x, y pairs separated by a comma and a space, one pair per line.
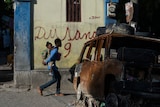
111, 100
121, 28
101, 30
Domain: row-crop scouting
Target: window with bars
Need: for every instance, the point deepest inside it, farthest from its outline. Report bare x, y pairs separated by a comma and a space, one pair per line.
73, 10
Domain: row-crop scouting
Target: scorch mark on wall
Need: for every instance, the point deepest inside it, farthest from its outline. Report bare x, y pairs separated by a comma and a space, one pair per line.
41, 33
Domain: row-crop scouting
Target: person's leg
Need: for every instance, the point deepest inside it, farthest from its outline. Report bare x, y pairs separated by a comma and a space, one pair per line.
49, 83
51, 64
58, 76
42, 87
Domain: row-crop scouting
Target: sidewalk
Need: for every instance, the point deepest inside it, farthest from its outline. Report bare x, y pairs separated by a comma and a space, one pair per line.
10, 96
13, 97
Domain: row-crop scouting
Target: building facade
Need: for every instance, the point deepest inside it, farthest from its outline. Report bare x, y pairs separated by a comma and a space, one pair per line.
39, 21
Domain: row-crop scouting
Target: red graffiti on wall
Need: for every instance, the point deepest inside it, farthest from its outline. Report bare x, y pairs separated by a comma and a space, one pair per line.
41, 33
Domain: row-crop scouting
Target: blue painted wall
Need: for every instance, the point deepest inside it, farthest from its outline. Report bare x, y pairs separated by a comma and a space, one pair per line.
107, 19
22, 36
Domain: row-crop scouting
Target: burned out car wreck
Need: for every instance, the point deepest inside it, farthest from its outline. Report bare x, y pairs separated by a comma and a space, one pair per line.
119, 70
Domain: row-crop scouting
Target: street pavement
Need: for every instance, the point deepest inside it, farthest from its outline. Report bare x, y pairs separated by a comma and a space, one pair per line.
14, 97
10, 96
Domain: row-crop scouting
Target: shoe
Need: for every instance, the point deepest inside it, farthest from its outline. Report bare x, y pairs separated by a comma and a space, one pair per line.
60, 94
50, 74
40, 91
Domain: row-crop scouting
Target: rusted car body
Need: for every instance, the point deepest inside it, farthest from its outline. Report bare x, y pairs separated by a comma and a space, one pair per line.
118, 65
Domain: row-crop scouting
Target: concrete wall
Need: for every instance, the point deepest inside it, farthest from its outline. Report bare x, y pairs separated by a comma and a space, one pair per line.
22, 37
50, 23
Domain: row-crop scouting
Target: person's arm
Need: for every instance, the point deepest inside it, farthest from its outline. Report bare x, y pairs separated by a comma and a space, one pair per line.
52, 55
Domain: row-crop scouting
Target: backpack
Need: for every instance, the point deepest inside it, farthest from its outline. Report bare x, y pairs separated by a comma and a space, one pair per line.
58, 56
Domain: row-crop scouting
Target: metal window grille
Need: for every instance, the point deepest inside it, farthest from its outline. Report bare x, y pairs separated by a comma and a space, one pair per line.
73, 8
